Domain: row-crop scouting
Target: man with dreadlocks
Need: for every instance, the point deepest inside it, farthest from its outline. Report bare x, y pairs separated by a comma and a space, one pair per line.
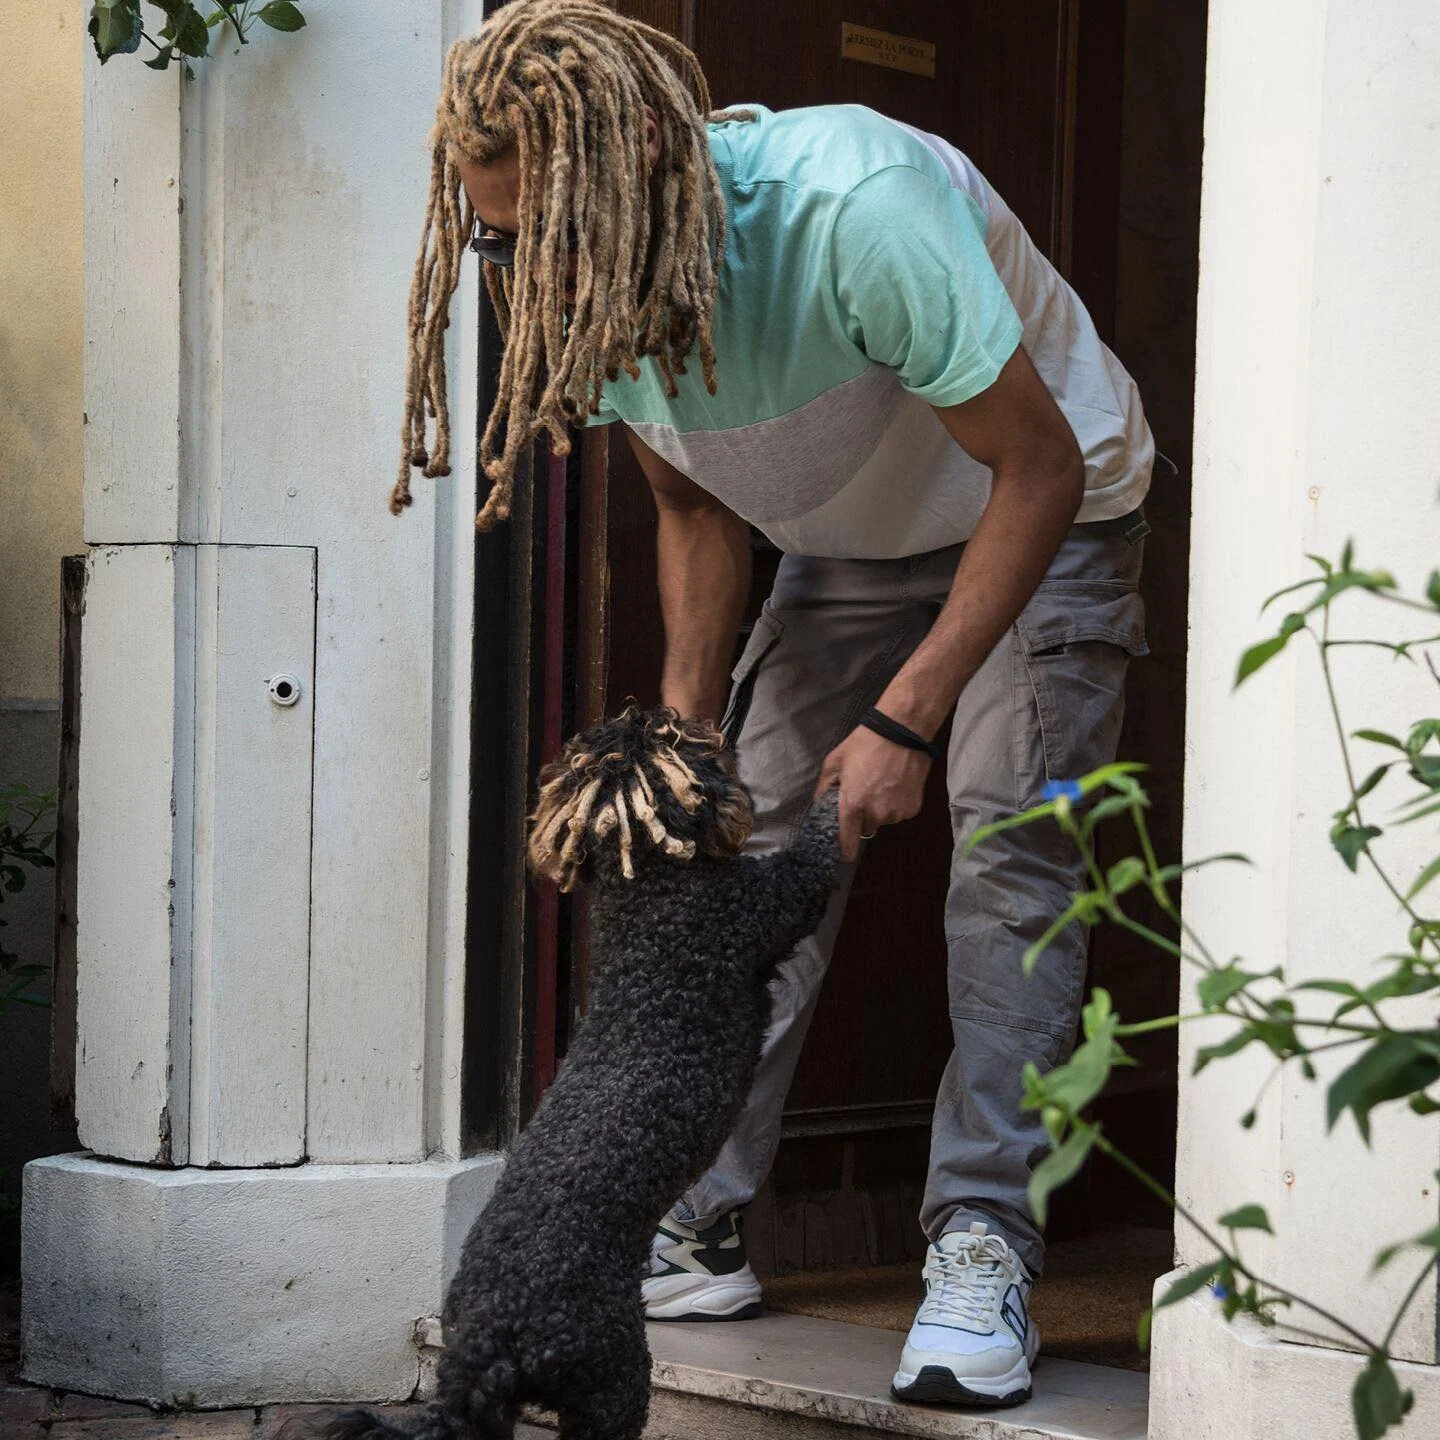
900, 391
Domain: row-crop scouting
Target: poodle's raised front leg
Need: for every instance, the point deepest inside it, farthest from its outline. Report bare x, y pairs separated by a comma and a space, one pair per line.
789, 891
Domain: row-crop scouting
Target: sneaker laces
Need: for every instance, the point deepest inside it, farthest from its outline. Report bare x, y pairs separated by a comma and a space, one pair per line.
966, 1284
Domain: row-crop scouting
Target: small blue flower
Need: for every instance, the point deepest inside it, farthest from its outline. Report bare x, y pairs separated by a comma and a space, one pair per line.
1220, 1292
1060, 790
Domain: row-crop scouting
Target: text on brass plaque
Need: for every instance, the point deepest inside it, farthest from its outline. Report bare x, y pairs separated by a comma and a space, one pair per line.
879, 47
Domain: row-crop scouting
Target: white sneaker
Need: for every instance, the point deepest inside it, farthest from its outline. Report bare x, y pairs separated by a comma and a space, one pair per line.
972, 1342
700, 1274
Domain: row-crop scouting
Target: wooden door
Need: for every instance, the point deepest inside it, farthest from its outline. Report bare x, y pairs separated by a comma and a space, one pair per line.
1031, 93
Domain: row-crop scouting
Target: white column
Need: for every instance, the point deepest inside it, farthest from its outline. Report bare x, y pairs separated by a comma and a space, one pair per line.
274, 763
1316, 422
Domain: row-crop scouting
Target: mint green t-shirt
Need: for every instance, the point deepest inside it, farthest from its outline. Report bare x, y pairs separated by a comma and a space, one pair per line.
865, 281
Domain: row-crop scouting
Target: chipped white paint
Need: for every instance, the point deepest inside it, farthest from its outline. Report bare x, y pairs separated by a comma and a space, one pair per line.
1315, 423
132, 1078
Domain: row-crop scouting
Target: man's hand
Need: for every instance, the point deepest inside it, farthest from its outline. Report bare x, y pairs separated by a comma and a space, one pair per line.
881, 783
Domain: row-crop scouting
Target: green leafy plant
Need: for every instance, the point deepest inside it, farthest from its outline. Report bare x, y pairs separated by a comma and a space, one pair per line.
118, 27
25, 844
1388, 1063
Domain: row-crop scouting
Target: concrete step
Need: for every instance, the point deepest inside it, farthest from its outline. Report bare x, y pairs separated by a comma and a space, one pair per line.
801, 1378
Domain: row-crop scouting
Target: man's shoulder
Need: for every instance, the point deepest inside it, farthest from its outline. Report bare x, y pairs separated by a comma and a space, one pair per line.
828, 149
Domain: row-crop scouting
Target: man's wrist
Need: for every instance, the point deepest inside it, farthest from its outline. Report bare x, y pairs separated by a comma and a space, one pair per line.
694, 705
924, 714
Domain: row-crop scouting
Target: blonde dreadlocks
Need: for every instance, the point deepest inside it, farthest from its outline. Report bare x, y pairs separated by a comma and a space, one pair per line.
565, 84
644, 773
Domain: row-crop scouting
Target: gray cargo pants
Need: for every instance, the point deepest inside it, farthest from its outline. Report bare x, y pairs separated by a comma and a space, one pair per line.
1046, 704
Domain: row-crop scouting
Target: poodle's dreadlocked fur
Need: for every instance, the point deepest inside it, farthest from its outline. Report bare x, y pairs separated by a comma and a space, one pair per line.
655, 768
546, 1306
565, 84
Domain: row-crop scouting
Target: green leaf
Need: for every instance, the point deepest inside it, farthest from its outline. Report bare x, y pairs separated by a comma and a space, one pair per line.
1351, 840
1377, 1400
1085, 906
1424, 878
1422, 1104
1247, 1217
1142, 1330
162, 60
1426, 769
1378, 737
1167, 873
1422, 732
282, 15
1236, 1043
1427, 807
1396, 1065
1188, 1284
1058, 1167
1432, 589
1331, 987
1125, 874
1102, 810
1076, 1083
1371, 781
1219, 986
1258, 655
115, 27
192, 37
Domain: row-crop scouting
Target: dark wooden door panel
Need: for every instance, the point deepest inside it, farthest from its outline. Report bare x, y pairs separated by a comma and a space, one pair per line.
1003, 78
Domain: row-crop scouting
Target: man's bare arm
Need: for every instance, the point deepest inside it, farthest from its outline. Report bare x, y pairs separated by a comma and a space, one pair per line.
703, 551
1038, 482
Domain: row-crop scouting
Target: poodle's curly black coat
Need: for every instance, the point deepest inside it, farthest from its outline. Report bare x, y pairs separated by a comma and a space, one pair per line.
546, 1304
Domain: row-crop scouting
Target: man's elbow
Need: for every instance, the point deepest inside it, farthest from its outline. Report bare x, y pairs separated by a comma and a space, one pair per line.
1055, 471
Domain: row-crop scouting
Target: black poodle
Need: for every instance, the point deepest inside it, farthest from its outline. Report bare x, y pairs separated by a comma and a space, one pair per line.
647, 811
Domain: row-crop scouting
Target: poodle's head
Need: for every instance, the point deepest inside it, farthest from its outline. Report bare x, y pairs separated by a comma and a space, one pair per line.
644, 781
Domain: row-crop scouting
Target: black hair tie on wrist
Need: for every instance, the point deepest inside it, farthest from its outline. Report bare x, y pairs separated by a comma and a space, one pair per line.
897, 733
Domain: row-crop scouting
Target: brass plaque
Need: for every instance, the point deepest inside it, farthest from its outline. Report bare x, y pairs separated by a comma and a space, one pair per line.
879, 47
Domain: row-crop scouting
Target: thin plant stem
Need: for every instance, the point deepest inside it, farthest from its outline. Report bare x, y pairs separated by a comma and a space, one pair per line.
1323, 641
228, 7
1410, 1295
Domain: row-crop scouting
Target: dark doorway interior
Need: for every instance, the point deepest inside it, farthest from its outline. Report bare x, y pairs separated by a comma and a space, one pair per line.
1086, 115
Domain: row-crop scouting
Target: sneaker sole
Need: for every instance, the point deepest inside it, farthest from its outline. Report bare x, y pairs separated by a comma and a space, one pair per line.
751, 1311
935, 1385
707, 1299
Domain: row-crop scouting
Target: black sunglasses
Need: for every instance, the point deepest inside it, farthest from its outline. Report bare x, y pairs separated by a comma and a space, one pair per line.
498, 246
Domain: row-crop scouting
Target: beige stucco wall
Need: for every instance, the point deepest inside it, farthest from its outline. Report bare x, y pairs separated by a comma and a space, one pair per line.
40, 333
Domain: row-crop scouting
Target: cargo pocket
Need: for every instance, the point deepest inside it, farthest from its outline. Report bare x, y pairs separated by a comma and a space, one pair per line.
1077, 638
763, 637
